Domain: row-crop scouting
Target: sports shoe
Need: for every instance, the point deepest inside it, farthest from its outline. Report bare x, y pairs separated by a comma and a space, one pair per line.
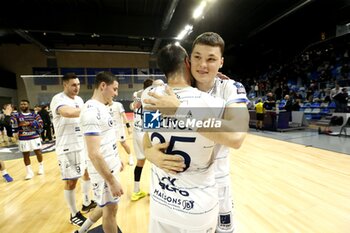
29, 175
86, 208
131, 160
41, 170
8, 178
137, 196
78, 219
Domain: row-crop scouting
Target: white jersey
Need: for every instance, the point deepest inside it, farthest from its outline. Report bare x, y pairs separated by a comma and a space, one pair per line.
138, 112
116, 111
189, 199
232, 92
68, 135
95, 119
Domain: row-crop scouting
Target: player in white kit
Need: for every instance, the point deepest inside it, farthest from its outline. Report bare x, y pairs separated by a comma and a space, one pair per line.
136, 106
103, 160
66, 107
117, 111
206, 59
187, 201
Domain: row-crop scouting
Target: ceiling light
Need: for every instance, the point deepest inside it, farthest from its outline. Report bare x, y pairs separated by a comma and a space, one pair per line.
199, 10
186, 31
95, 35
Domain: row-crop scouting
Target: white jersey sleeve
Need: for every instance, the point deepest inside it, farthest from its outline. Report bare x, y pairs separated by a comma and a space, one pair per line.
90, 120
230, 90
121, 107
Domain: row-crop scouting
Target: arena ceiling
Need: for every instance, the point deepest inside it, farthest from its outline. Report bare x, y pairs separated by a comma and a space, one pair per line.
146, 25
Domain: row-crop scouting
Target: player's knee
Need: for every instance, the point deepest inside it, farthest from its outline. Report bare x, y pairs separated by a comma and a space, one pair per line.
70, 184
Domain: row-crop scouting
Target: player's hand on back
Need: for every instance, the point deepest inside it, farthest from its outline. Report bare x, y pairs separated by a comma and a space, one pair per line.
169, 163
167, 104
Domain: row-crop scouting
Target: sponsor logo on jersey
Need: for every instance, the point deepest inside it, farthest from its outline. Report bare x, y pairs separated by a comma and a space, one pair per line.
167, 184
240, 88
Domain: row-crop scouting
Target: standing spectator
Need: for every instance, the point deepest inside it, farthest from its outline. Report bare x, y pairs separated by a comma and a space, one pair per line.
336, 95
342, 99
256, 89
44, 114
296, 105
8, 126
270, 102
2, 127
288, 105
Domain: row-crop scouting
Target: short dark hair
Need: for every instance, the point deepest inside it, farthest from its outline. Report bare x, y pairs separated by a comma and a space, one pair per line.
148, 82
69, 76
171, 58
25, 101
104, 76
211, 39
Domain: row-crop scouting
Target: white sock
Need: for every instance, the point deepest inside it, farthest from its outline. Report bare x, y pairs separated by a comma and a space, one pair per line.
4, 172
41, 164
85, 188
136, 187
86, 226
29, 169
69, 195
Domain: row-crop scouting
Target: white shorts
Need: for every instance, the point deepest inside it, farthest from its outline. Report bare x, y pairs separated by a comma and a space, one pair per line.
102, 193
120, 132
138, 144
157, 226
29, 145
72, 165
225, 219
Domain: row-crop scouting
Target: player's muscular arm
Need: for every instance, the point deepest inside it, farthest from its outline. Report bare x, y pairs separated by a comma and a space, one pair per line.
155, 154
68, 111
234, 126
93, 147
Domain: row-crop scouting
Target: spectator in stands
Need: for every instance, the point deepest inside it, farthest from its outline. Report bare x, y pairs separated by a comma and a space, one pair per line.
288, 104
296, 105
278, 92
270, 102
256, 89
343, 98
345, 70
336, 95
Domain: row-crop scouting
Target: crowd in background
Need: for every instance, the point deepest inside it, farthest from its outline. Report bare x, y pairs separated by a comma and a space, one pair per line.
321, 74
